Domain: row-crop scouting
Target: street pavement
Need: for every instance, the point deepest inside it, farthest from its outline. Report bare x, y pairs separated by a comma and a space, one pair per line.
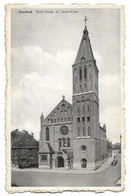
68, 171
107, 176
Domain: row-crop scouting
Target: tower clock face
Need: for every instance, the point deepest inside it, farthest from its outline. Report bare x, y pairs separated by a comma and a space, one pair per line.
64, 130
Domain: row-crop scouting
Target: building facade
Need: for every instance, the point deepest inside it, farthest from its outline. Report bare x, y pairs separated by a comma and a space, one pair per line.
24, 149
71, 135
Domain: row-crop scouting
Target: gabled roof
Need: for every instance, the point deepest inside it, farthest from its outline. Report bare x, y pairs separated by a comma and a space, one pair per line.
25, 140
47, 148
14, 135
85, 50
60, 105
67, 152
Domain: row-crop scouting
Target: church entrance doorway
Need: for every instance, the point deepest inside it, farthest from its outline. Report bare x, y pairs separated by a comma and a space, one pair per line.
83, 163
60, 162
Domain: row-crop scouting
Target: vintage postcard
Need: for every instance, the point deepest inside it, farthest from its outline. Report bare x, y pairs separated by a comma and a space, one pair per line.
65, 98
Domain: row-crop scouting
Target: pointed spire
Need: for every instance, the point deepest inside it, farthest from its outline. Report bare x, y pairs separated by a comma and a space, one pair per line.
85, 29
104, 126
85, 51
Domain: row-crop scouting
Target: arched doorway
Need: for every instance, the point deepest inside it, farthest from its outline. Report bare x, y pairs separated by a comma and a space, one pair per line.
83, 163
60, 161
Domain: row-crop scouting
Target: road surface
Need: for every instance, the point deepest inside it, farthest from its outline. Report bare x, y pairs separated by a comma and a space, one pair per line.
108, 177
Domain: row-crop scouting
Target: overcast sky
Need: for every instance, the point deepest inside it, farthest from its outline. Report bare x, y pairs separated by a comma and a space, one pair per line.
44, 47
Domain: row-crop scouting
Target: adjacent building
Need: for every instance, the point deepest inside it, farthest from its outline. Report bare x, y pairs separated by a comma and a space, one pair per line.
71, 135
24, 149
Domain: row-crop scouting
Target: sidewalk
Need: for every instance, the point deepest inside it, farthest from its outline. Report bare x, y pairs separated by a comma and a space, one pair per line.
104, 166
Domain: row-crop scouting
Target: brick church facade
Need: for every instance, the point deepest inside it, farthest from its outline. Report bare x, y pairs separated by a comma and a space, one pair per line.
71, 135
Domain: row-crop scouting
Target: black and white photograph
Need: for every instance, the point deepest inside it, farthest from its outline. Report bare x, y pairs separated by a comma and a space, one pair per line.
65, 98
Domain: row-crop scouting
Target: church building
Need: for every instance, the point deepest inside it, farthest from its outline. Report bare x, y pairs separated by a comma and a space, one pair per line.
71, 136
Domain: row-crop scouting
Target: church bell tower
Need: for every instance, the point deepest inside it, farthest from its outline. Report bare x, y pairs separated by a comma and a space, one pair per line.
85, 106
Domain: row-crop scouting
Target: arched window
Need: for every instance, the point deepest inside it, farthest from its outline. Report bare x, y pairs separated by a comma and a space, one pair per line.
64, 142
89, 131
55, 115
84, 134
61, 114
83, 107
60, 142
65, 113
51, 119
80, 73
68, 111
78, 131
83, 163
85, 72
68, 142
78, 108
47, 134
82, 59
88, 105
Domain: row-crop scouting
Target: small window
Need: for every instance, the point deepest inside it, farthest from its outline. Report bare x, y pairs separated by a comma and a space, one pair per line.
58, 120
47, 134
83, 148
61, 119
44, 158
78, 131
64, 142
88, 118
51, 120
55, 114
60, 142
84, 134
55, 120
80, 73
82, 59
68, 142
61, 113
83, 119
65, 113
65, 119
68, 118
48, 120
78, 119
85, 72
89, 131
